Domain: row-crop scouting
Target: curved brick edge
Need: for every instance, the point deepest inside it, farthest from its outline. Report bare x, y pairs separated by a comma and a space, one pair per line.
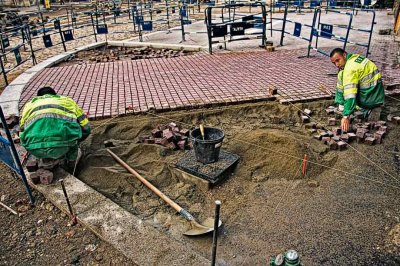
9, 99
133, 237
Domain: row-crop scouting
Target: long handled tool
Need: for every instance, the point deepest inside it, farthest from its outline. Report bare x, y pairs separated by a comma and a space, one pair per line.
197, 228
202, 130
73, 216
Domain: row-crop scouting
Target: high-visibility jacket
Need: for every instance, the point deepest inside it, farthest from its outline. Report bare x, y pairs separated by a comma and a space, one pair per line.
52, 121
359, 84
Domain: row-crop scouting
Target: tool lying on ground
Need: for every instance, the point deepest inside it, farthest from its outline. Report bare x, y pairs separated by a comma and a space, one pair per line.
197, 229
8, 208
73, 216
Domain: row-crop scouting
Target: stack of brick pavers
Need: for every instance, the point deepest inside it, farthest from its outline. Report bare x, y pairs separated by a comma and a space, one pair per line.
39, 171
363, 132
170, 136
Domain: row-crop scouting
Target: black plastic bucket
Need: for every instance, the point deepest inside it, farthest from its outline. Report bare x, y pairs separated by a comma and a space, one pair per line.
207, 150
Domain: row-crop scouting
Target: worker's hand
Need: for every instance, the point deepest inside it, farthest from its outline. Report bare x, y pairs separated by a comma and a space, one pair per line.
345, 124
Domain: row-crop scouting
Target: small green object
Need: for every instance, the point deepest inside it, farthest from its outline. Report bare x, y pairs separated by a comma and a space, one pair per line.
292, 258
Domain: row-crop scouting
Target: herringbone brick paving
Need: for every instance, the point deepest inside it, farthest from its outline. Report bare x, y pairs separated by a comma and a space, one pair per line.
117, 88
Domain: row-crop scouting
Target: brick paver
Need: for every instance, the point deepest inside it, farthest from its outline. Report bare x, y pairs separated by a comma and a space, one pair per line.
199, 80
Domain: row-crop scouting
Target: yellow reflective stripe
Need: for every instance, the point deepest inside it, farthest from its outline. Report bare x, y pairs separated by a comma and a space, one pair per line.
46, 115
84, 122
369, 84
51, 111
350, 86
365, 61
50, 106
369, 76
349, 96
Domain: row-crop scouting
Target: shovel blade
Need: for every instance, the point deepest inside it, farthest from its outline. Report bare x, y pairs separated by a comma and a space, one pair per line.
201, 229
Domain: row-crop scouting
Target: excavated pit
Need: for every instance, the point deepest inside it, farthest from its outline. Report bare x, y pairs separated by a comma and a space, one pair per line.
268, 206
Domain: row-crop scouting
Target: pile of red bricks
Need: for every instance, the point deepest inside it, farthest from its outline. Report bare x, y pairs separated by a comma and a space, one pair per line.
170, 136
363, 132
112, 54
38, 173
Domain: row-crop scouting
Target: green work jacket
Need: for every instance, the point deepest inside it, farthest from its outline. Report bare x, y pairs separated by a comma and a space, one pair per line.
359, 84
52, 121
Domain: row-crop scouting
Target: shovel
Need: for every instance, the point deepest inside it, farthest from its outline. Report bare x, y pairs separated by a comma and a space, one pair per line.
202, 130
197, 228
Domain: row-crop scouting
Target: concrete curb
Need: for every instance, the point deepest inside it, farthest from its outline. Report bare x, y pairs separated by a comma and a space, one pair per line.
189, 48
133, 237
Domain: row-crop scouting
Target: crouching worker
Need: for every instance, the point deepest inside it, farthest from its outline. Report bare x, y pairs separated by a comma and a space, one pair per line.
52, 126
359, 85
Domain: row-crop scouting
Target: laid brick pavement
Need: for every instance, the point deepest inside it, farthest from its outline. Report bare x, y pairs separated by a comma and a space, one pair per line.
199, 80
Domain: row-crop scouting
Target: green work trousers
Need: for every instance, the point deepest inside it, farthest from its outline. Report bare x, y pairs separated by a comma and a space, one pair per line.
70, 153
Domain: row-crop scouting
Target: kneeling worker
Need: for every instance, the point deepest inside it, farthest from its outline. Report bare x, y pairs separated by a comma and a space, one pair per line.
52, 126
359, 84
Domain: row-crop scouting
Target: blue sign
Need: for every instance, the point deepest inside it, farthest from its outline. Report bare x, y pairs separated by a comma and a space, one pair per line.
326, 30
6, 41
139, 20
314, 3
297, 29
279, 4
237, 28
47, 41
147, 25
117, 12
68, 35
57, 24
219, 31
17, 55
332, 3
102, 29
6, 155
299, 3
211, 3
183, 12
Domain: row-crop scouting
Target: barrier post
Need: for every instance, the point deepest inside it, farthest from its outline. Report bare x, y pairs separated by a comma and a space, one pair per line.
3, 71
312, 31
16, 157
94, 30
62, 37
182, 26
34, 62
283, 24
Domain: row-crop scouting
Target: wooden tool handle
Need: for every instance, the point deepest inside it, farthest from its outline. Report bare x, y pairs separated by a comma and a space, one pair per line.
146, 183
202, 130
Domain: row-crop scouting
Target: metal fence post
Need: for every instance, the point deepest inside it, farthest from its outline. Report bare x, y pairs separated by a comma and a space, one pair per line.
16, 157
3, 71
283, 24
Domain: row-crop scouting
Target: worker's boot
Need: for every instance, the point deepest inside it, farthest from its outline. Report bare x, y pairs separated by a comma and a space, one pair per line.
49, 164
70, 166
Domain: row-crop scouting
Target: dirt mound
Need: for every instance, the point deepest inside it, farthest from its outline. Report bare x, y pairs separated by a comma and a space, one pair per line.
277, 154
266, 137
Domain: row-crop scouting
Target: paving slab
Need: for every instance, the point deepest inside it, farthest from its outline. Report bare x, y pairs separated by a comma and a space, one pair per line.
133, 237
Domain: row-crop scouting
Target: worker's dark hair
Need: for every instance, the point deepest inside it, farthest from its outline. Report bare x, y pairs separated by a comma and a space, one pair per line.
46, 90
337, 51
